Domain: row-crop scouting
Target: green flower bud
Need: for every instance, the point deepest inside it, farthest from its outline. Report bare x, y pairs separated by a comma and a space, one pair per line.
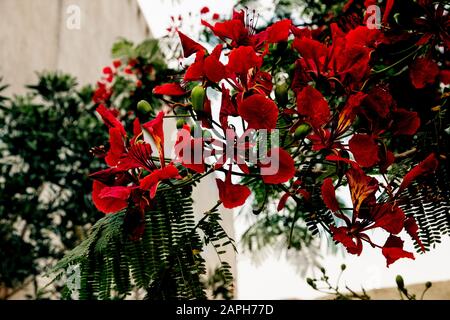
343, 267
197, 98
281, 93
400, 282
302, 131
206, 134
428, 284
180, 123
144, 107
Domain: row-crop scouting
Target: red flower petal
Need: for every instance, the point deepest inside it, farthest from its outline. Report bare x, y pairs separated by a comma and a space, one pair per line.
152, 181
362, 187
280, 169
109, 118
329, 195
232, 195
242, 59
214, 69
279, 31
116, 147
427, 166
231, 29
364, 149
423, 72
204, 10
283, 200
380, 101
412, 229
189, 151
259, 111
405, 122
189, 45
107, 204
155, 128
393, 250
390, 218
313, 105
351, 243
169, 89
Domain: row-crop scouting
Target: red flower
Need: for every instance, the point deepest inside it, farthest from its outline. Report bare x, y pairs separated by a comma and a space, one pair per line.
215, 16
329, 195
312, 105
427, 166
312, 52
204, 10
234, 30
232, 195
260, 112
362, 188
117, 147
155, 128
109, 199
352, 243
423, 72
169, 89
117, 63
380, 101
152, 181
242, 59
189, 151
189, 46
227, 108
109, 118
393, 250
364, 149
279, 31
412, 229
389, 217
279, 169
210, 67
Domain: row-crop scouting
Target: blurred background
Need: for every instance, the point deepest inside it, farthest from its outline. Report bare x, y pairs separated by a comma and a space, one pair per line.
45, 126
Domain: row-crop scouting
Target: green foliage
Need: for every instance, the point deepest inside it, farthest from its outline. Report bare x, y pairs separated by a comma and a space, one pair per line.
166, 263
45, 205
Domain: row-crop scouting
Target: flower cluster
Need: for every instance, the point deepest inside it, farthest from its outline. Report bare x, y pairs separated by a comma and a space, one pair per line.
327, 90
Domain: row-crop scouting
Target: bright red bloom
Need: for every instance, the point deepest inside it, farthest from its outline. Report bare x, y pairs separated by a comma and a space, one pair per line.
152, 181
242, 59
204, 10
279, 169
329, 195
362, 188
423, 72
234, 29
364, 149
189, 151
260, 112
109, 199
216, 16
232, 195
155, 128
352, 243
389, 217
393, 250
312, 105
227, 108
412, 229
170, 89
117, 147
312, 52
189, 46
109, 118
208, 67
427, 166
279, 31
